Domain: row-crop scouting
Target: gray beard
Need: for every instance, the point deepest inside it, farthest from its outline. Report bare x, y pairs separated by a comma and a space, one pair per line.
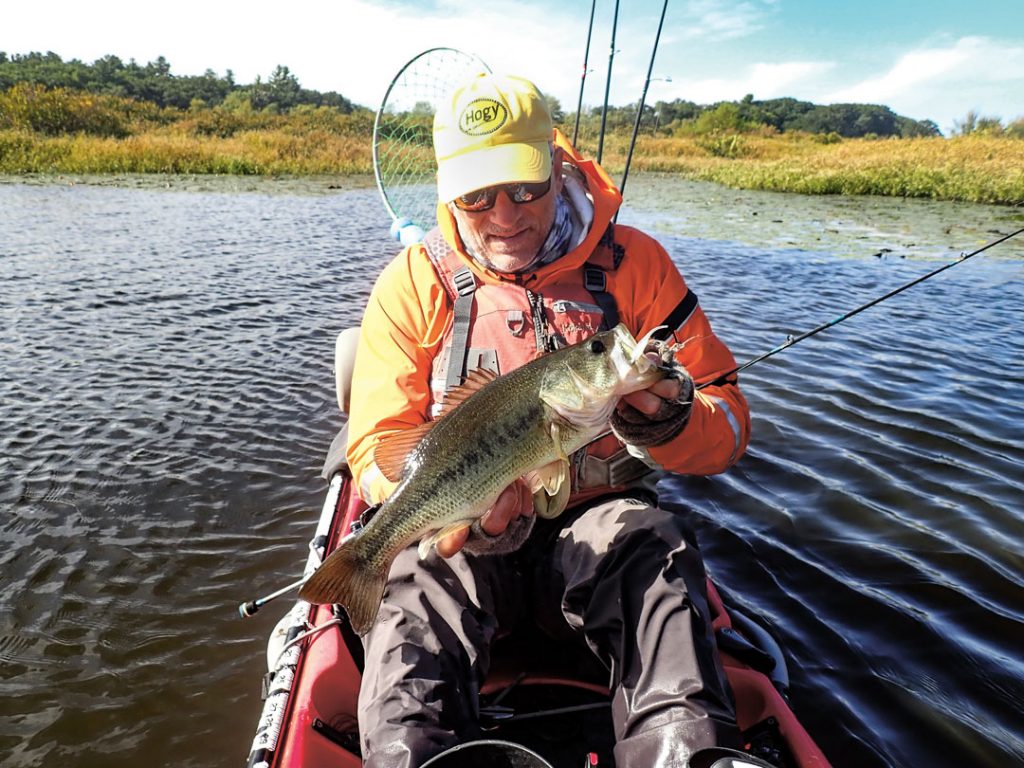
559, 241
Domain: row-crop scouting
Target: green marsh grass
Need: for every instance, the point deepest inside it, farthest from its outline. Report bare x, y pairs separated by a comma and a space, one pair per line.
981, 169
64, 132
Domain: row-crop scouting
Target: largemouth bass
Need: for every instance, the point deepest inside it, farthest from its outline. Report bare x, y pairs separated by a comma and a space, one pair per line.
524, 424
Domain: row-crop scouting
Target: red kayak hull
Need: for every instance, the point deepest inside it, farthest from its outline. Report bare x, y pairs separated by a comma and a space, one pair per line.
319, 725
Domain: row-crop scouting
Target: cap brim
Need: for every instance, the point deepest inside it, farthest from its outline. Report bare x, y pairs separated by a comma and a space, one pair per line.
485, 167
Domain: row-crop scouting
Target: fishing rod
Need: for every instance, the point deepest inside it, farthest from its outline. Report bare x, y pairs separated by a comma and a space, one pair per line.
608, 84
252, 607
583, 77
791, 340
643, 98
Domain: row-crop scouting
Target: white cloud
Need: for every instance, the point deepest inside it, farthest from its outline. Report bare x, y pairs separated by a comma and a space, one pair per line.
908, 72
943, 83
355, 47
773, 80
719, 20
764, 80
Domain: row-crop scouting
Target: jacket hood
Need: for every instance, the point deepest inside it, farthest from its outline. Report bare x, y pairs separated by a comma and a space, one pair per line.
607, 200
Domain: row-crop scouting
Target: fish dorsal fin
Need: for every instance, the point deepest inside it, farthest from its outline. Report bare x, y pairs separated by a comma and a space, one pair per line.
475, 381
392, 451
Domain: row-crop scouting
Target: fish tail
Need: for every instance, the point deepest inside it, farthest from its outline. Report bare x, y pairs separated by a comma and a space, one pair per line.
347, 579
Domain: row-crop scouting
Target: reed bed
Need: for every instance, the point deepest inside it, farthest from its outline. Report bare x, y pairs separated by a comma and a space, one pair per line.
984, 169
246, 153
970, 168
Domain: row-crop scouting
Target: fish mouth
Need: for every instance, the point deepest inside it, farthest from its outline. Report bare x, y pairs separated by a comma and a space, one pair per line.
634, 368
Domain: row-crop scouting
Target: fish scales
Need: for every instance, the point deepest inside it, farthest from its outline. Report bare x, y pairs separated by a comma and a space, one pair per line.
529, 419
470, 454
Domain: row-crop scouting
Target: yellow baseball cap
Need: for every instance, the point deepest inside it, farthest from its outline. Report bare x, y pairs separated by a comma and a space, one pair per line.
494, 130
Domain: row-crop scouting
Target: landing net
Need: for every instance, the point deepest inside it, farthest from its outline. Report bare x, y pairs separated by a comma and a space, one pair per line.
403, 155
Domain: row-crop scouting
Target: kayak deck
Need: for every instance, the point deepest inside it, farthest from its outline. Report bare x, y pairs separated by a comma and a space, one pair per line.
313, 720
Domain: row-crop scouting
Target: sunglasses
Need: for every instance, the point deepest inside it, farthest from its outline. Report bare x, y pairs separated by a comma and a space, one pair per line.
520, 192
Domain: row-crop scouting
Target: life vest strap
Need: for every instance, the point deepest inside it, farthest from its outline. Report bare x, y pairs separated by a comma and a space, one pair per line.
595, 280
461, 285
678, 317
465, 286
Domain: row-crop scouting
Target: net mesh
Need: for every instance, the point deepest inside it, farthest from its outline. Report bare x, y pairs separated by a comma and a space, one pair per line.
403, 154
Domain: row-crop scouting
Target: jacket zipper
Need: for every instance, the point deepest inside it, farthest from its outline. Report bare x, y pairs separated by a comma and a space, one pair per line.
540, 332
566, 305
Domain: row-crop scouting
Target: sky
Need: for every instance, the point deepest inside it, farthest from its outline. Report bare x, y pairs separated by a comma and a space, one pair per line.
932, 60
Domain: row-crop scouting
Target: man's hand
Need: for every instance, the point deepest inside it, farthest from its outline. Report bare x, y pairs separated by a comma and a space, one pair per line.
648, 401
514, 502
655, 415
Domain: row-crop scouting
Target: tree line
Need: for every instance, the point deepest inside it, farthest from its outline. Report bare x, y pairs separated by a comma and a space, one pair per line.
154, 83
281, 93
681, 117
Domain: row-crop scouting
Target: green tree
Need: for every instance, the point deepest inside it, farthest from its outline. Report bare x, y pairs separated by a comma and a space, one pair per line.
284, 88
909, 129
782, 114
976, 123
237, 102
155, 82
555, 107
724, 118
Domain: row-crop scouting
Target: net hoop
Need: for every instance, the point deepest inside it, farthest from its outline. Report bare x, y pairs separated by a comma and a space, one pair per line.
403, 157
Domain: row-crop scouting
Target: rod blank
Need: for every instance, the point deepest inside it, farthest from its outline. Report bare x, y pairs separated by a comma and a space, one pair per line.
793, 340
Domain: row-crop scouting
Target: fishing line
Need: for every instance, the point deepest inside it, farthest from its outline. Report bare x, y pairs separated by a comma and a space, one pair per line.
583, 77
791, 340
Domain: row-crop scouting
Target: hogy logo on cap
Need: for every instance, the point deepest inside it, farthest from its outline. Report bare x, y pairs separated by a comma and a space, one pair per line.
482, 116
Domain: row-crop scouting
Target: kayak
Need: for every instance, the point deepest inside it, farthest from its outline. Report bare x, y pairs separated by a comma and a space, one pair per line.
555, 705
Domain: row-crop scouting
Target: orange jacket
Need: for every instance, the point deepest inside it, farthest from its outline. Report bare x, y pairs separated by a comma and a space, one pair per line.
409, 312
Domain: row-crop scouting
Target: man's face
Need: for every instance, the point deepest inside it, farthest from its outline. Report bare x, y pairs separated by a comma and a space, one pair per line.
509, 236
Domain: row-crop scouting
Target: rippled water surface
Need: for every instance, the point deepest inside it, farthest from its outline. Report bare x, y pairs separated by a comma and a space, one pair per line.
167, 397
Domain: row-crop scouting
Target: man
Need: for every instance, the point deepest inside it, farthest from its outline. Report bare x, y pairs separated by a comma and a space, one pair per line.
526, 259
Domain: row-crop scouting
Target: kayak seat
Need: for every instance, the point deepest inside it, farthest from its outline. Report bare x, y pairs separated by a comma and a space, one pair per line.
528, 651
344, 363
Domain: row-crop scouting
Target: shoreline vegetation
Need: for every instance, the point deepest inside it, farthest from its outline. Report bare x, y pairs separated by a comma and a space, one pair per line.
979, 170
279, 129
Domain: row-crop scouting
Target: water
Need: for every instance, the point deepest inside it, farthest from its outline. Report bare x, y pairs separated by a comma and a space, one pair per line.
167, 397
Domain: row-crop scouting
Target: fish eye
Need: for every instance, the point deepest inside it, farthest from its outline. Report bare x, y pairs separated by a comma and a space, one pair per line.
597, 346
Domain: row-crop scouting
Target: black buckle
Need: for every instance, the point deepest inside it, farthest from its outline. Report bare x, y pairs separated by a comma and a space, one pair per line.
464, 281
595, 280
